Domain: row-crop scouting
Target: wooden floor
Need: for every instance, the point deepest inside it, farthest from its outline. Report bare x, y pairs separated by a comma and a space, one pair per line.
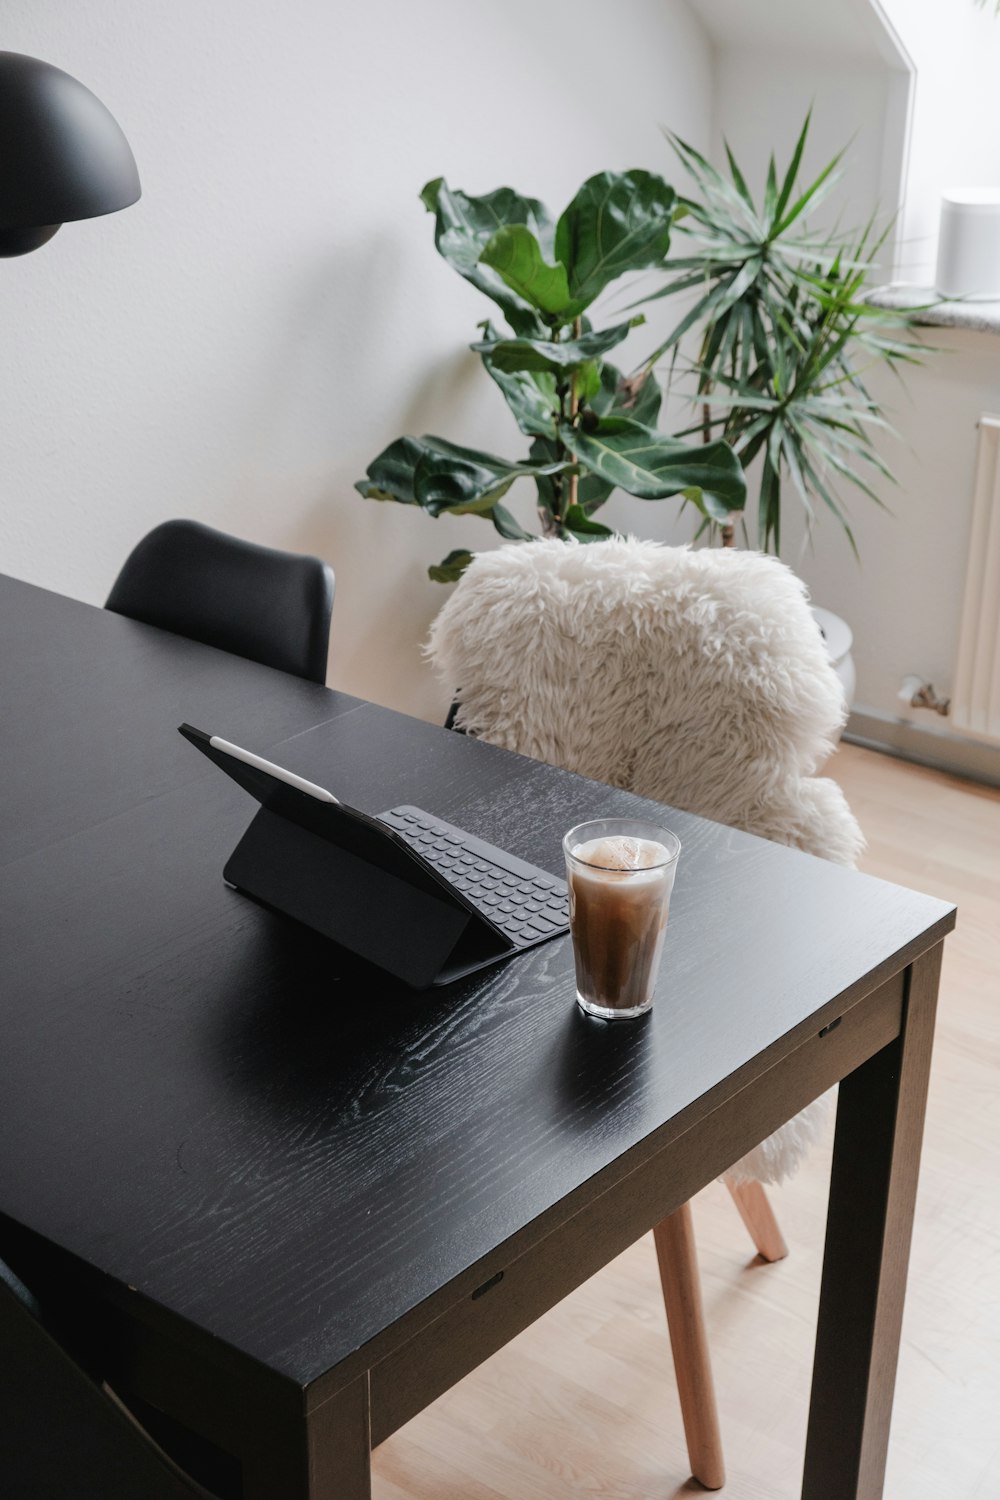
584, 1402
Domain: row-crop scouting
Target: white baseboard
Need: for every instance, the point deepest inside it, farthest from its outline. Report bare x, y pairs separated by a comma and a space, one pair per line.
925, 744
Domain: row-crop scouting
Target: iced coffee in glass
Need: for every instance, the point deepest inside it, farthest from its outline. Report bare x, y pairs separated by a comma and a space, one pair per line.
620, 872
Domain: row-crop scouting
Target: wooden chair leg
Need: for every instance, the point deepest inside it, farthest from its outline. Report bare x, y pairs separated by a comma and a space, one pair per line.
677, 1259
758, 1216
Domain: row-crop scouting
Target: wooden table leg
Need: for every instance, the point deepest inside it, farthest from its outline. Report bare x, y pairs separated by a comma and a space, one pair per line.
873, 1185
322, 1455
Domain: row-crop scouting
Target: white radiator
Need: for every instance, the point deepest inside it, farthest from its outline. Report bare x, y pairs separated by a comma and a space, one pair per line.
975, 702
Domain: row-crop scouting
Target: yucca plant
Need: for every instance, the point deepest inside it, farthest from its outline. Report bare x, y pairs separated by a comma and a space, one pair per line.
786, 336
591, 430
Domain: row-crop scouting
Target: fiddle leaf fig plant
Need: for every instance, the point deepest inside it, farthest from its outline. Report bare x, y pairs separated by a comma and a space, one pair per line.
591, 429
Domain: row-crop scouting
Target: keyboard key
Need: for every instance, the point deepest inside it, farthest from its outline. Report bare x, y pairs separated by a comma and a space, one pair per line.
542, 924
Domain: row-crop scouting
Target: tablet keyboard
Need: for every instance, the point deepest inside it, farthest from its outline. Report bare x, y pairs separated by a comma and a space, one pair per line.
527, 904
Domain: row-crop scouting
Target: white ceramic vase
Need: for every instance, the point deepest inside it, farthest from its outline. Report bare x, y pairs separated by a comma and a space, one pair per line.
839, 639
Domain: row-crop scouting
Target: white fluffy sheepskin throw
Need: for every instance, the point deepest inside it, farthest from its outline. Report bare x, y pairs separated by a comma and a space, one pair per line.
696, 678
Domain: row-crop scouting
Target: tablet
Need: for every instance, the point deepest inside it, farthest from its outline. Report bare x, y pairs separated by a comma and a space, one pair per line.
348, 875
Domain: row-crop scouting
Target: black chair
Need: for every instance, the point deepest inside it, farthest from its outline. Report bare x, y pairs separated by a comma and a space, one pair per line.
273, 607
62, 1434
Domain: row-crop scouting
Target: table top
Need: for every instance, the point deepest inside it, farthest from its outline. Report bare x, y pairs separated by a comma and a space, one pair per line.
270, 1144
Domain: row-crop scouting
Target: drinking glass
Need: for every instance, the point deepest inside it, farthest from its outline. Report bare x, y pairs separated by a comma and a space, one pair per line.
619, 897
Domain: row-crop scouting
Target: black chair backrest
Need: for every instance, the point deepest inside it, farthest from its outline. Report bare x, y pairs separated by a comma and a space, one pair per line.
273, 607
61, 1434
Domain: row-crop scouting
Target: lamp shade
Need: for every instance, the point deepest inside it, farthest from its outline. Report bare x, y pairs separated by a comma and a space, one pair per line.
62, 154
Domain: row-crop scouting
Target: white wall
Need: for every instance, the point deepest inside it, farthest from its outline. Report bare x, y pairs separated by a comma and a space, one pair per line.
241, 343
904, 599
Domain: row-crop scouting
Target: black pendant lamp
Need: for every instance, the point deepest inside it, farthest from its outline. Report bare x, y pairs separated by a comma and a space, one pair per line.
62, 154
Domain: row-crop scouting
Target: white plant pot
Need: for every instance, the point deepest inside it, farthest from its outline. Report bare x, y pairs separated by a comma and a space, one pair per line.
839, 639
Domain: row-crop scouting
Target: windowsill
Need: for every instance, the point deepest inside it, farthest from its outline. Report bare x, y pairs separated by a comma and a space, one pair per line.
978, 317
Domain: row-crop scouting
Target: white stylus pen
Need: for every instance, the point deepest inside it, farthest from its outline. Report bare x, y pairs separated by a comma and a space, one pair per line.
260, 764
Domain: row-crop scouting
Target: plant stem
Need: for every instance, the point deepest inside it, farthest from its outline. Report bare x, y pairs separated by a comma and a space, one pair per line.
574, 407
727, 530
552, 519
549, 527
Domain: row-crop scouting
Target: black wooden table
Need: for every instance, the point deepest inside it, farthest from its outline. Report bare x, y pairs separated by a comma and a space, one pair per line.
296, 1202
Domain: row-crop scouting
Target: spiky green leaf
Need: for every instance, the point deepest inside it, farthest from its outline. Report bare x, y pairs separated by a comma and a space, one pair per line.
786, 334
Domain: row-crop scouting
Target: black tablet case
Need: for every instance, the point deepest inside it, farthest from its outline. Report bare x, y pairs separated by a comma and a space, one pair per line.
353, 879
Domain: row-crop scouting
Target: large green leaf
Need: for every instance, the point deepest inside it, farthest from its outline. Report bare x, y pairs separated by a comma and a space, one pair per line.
646, 464
591, 489
544, 452
461, 486
390, 476
454, 565
637, 397
530, 394
546, 354
442, 476
464, 226
579, 525
451, 568
618, 222
503, 206
508, 527
515, 254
